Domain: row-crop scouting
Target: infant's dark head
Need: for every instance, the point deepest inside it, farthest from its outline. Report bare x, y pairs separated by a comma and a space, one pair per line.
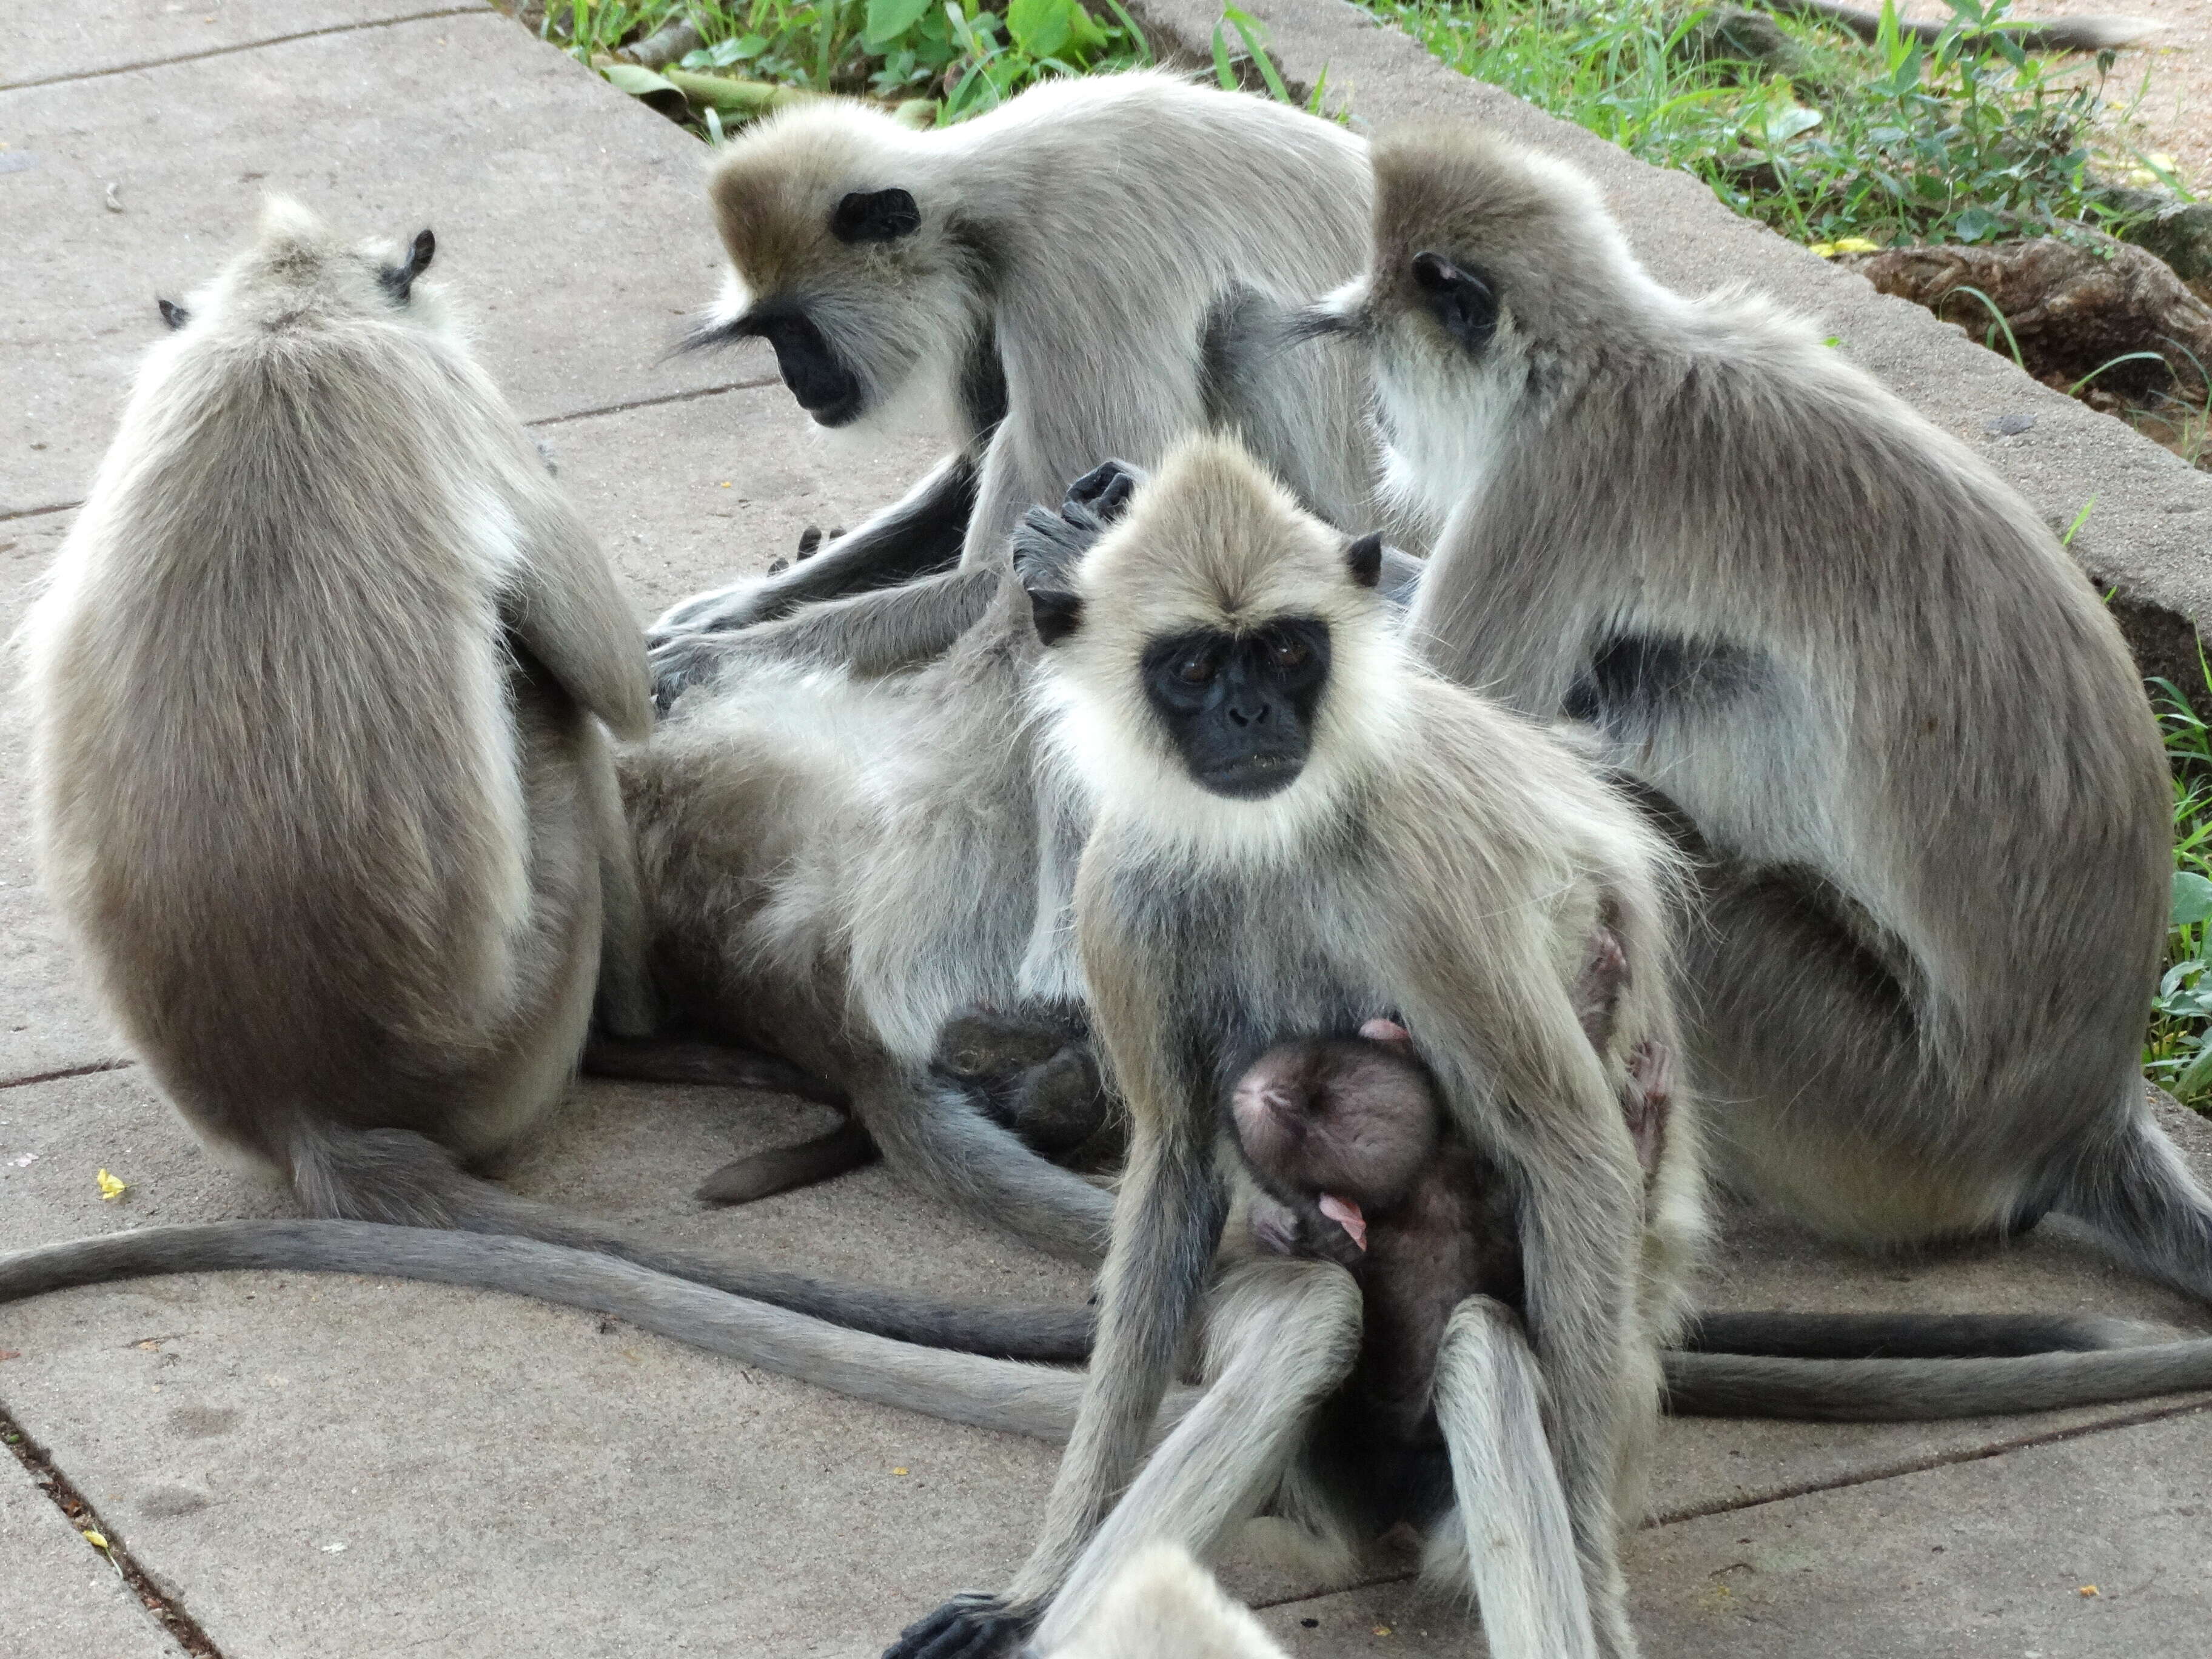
1354, 1118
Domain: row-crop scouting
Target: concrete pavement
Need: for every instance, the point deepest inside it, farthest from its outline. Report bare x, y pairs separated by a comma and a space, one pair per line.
343, 1468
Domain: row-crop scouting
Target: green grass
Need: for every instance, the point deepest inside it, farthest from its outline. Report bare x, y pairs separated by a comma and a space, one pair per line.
956, 58
2179, 1051
1966, 140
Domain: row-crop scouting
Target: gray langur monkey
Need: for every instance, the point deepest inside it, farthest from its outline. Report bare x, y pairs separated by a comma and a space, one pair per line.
871, 956
320, 690
1296, 829
1884, 706
1097, 267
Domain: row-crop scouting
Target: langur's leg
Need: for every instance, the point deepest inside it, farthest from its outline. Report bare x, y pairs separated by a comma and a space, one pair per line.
699, 1061
1281, 1337
932, 1134
1511, 1515
784, 1169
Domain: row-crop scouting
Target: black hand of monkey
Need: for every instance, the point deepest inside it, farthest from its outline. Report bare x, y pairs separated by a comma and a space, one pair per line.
1046, 544
971, 1625
680, 661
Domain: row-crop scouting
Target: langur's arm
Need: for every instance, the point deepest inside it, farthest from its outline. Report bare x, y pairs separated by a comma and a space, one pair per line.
1281, 1338
562, 605
880, 632
1167, 1224
917, 535
1522, 1560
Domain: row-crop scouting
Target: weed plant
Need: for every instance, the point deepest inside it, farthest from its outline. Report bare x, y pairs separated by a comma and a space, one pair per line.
1965, 140
2179, 1051
960, 55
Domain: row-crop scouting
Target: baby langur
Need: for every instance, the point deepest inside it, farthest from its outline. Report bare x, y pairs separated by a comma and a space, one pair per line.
1296, 829
1054, 307
321, 692
1880, 702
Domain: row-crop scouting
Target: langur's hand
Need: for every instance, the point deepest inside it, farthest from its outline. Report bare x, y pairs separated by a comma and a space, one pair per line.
971, 1625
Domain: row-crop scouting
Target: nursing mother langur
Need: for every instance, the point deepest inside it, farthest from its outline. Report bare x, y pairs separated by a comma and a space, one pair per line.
1905, 737
1299, 830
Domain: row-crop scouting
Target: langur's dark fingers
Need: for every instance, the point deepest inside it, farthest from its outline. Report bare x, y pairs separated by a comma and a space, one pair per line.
784, 1169
1105, 489
777, 567
693, 1061
809, 539
949, 1631
834, 533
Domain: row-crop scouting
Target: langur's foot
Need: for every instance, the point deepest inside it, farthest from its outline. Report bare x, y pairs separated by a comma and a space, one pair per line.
971, 1625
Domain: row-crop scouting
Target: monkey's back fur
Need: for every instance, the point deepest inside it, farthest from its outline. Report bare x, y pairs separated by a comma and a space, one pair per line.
1901, 723
320, 786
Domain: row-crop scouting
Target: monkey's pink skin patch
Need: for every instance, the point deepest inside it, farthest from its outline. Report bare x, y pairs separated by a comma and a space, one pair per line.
1385, 1030
1346, 1214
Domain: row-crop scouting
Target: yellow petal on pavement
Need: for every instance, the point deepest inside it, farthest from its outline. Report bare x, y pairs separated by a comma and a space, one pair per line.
111, 1188
97, 1540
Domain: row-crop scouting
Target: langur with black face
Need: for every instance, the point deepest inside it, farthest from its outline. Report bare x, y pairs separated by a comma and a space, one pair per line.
321, 694
1097, 267
1297, 830
1903, 735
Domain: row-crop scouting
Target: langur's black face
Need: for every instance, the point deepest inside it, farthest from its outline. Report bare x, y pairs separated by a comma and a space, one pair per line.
1240, 707
826, 388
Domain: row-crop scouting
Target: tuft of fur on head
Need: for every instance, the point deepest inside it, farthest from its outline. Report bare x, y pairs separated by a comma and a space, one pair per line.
299, 274
901, 312
1535, 231
1163, 1605
1212, 541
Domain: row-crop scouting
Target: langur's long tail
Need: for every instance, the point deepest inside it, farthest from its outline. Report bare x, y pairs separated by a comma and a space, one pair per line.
403, 1179
1923, 1390
991, 1394
2135, 1190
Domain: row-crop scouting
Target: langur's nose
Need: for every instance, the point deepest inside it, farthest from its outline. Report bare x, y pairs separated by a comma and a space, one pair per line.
1248, 714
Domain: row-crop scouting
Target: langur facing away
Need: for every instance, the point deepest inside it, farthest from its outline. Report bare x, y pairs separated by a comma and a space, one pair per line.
322, 691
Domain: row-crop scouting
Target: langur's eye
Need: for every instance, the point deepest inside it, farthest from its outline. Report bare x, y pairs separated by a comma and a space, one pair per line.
1287, 652
1195, 669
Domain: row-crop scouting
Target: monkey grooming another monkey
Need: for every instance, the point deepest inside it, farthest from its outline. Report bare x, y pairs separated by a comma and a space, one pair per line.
322, 692
1899, 728
1053, 307
1295, 828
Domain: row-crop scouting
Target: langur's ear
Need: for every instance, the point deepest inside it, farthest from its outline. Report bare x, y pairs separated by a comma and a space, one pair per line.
399, 280
1459, 298
1056, 612
172, 313
880, 216
1365, 558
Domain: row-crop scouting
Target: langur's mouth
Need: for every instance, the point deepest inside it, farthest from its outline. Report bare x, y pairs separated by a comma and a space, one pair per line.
1347, 1215
1255, 777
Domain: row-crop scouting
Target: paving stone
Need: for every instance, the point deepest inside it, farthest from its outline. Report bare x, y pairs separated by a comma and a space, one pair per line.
570, 219
57, 1588
402, 1417
71, 41
1990, 1559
